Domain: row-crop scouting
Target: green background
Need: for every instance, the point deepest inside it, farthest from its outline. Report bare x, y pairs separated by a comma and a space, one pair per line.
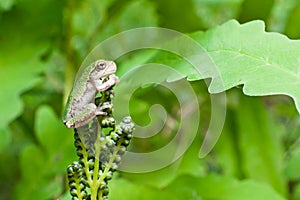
42, 45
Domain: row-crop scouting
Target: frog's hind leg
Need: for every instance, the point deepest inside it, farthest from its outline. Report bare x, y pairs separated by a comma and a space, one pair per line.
83, 117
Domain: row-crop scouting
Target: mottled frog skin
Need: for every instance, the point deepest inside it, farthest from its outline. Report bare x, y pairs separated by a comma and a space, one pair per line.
80, 107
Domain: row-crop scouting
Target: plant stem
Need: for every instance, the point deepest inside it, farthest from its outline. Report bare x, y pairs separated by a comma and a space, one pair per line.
111, 162
95, 183
80, 196
86, 165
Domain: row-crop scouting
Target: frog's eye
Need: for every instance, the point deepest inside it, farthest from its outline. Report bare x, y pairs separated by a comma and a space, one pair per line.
101, 65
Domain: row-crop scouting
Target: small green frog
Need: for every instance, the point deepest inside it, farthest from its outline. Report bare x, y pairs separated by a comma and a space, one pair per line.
81, 108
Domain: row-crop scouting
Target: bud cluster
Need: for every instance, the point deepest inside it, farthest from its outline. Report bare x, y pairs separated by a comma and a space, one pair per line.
100, 146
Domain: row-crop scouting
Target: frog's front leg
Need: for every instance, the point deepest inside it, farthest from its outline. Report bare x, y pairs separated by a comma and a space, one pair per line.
103, 86
99, 110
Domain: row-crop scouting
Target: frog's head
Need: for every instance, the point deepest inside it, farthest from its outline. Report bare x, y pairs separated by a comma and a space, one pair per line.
105, 68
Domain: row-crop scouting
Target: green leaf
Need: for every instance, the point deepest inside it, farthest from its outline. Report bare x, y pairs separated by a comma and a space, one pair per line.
20, 57
212, 187
129, 17
16, 78
43, 166
5, 138
292, 28
241, 54
265, 63
226, 151
292, 166
178, 15
214, 12
66, 196
6, 4
281, 15
259, 144
215, 187
104, 19
296, 193
121, 189
255, 9
188, 164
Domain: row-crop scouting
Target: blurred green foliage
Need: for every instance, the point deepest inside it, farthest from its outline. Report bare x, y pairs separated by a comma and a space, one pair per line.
42, 44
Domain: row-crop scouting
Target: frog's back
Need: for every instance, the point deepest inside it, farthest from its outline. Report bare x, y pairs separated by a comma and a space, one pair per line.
79, 86
77, 91
68, 108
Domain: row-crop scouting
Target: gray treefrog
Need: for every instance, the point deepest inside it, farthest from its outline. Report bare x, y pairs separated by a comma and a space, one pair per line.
81, 108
